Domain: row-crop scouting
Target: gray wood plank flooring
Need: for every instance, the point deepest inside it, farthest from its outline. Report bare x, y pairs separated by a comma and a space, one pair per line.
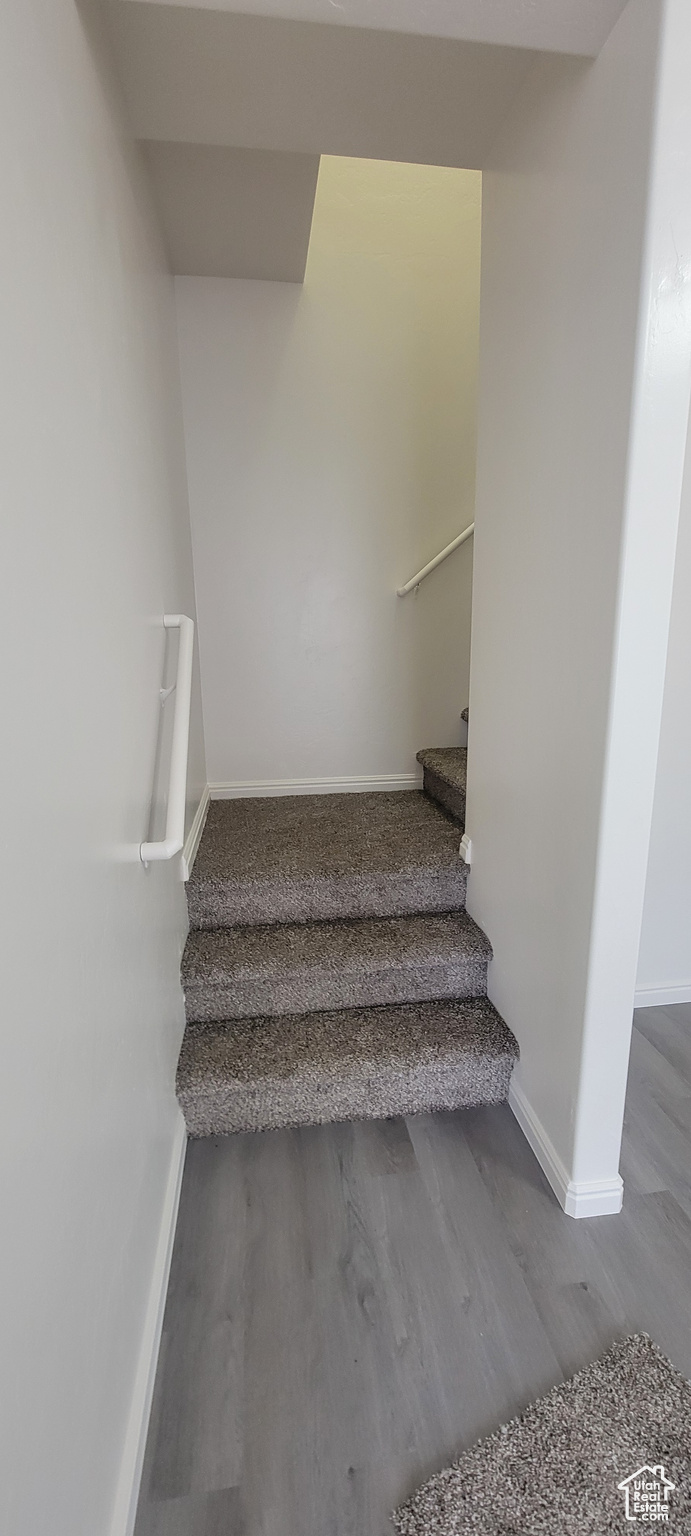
350, 1306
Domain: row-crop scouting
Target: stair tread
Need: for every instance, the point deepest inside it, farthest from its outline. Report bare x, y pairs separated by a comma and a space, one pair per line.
331, 1065
214, 954
302, 857
448, 763
302, 966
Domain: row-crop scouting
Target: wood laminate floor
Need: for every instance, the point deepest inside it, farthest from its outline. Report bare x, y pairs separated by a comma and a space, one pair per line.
352, 1305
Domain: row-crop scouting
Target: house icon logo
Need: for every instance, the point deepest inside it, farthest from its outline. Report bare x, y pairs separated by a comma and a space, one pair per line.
647, 1493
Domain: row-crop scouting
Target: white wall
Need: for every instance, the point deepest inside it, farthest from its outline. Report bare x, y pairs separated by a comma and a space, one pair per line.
204, 76
330, 438
95, 546
561, 26
580, 458
664, 962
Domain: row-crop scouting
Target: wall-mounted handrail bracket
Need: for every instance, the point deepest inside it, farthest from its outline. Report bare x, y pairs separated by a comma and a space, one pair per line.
174, 839
414, 582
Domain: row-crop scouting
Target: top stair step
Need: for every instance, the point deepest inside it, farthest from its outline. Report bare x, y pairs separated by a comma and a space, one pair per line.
444, 778
300, 858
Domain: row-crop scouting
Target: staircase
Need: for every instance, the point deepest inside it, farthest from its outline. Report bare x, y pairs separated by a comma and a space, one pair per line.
331, 971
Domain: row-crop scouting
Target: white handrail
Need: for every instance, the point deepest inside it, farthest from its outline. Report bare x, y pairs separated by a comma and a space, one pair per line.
177, 783
432, 566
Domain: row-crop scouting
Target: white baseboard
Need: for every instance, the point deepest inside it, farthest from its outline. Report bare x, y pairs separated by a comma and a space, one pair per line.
659, 997
193, 838
592, 1197
127, 1493
249, 788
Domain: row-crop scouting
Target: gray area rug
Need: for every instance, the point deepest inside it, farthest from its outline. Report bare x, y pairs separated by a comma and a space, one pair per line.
556, 1470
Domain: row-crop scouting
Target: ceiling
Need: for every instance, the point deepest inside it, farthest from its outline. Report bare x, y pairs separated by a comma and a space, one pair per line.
234, 110
214, 77
557, 26
233, 212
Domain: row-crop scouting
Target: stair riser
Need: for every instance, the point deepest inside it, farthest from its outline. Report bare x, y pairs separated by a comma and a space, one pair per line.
229, 904
227, 1107
206, 1003
453, 800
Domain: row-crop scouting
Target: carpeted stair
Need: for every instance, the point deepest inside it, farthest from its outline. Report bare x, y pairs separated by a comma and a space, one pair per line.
304, 858
331, 970
309, 1068
444, 777
233, 973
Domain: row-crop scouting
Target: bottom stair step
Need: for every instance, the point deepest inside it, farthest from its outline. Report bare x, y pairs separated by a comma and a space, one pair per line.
357, 1064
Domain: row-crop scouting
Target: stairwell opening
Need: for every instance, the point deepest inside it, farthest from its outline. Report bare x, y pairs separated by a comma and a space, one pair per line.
331, 970
331, 434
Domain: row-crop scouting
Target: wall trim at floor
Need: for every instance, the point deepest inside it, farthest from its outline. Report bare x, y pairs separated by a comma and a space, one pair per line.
659, 997
193, 838
248, 788
127, 1493
593, 1197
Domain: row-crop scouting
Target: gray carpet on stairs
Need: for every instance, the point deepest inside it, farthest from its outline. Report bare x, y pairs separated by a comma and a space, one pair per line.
555, 1470
301, 858
331, 971
444, 777
363, 1064
302, 967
